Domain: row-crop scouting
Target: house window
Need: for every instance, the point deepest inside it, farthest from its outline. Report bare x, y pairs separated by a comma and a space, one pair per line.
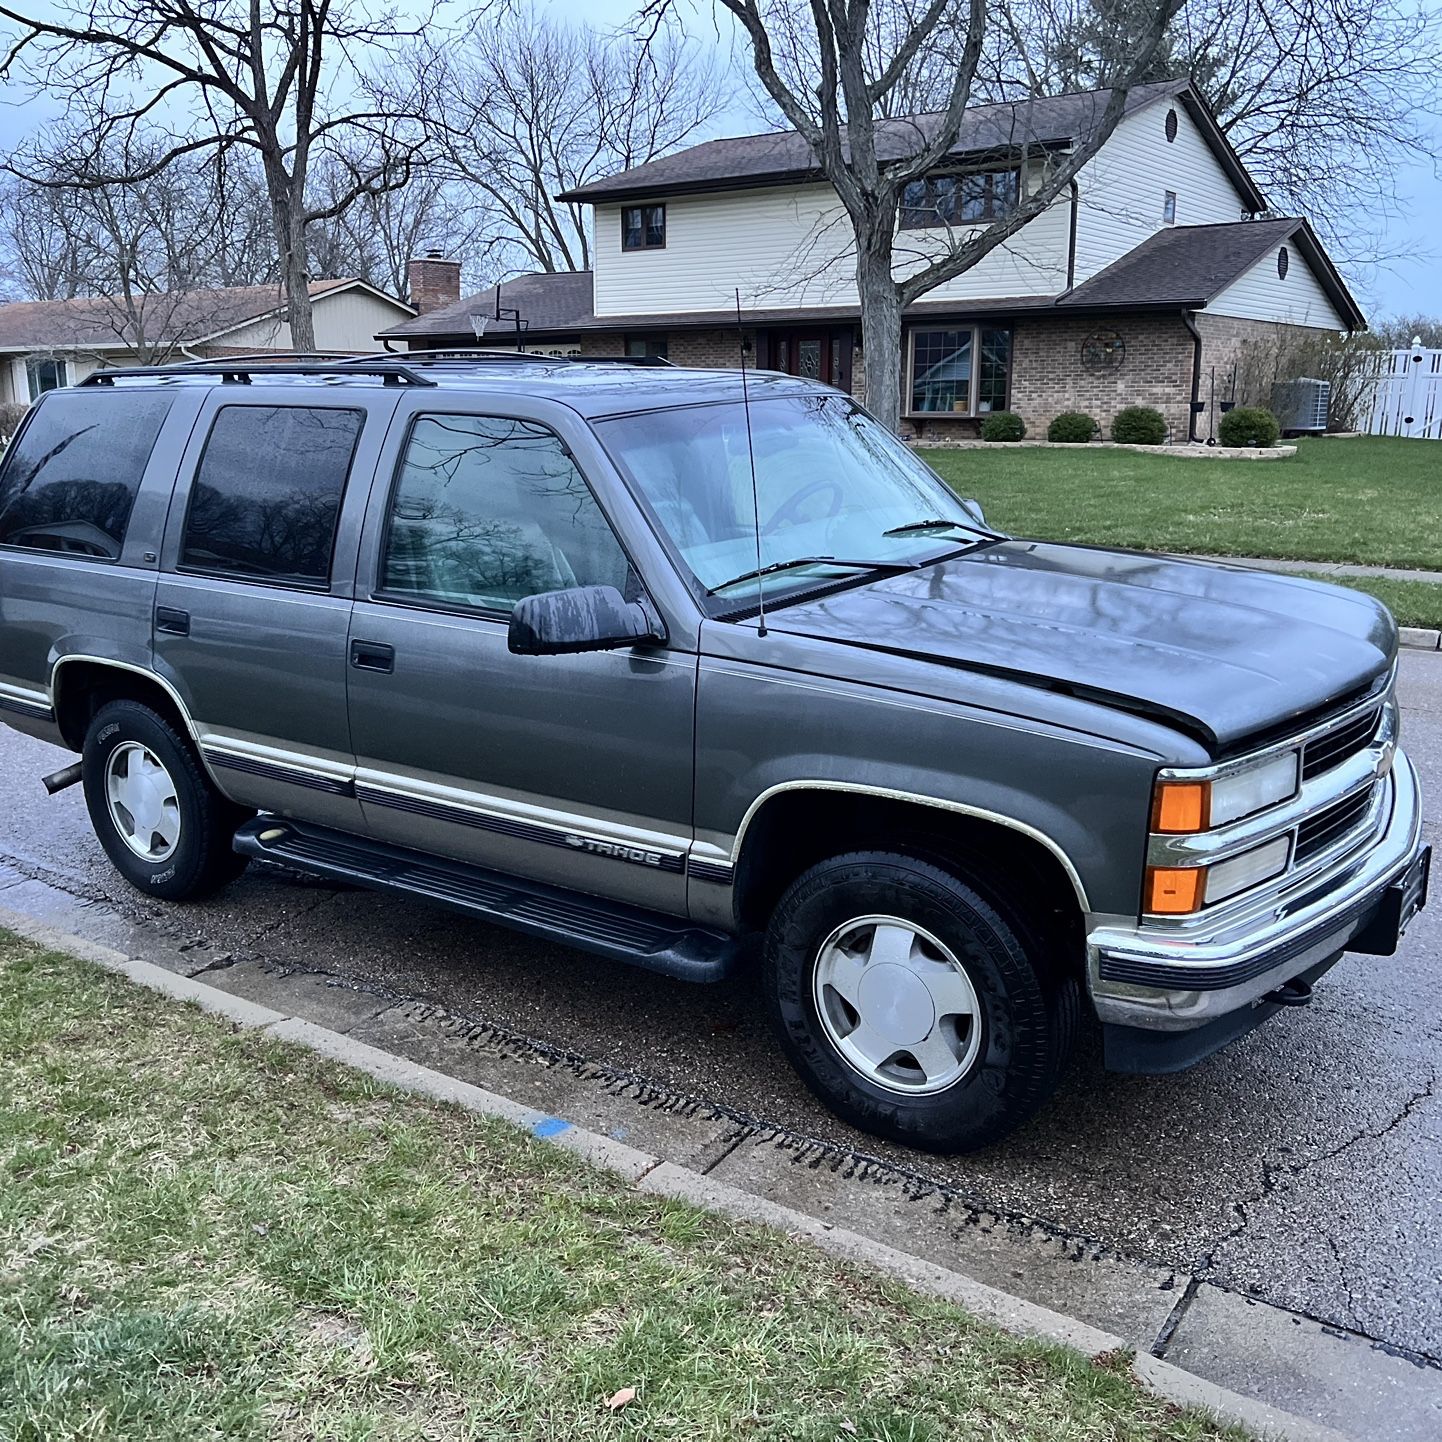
945, 200
643, 227
962, 371
640, 347
1169, 208
46, 375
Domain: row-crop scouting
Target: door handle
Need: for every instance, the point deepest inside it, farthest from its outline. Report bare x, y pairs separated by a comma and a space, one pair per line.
171, 621
372, 656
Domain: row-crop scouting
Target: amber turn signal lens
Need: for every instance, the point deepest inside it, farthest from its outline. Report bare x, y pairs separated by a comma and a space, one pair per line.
1180, 807
1174, 890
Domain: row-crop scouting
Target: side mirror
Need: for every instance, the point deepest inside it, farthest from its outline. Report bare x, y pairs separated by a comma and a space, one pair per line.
585, 618
974, 507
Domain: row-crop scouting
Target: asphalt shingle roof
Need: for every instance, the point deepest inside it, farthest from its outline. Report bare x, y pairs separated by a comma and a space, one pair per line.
781, 156
89, 321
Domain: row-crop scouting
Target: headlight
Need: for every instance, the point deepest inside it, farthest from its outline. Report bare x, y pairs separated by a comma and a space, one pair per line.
1181, 890
1182, 807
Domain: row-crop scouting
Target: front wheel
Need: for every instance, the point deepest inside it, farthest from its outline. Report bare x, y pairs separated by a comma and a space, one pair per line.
163, 825
912, 1005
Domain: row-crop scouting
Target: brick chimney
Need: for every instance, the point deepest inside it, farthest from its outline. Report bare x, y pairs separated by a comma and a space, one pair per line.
434, 281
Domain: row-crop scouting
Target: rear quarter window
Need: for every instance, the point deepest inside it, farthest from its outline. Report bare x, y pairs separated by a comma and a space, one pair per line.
69, 479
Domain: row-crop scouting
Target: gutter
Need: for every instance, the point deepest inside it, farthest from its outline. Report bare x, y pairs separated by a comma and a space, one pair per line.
1189, 320
1071, 238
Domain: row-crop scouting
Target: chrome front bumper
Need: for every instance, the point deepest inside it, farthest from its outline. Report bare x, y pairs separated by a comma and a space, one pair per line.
1142, 979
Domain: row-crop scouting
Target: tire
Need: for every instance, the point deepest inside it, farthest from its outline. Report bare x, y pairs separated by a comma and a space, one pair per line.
835, 925
181, 827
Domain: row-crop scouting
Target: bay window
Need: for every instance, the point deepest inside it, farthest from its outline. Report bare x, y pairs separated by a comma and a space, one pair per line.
958, 370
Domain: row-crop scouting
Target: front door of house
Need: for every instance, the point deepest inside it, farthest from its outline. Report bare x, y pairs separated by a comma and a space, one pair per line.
815, 355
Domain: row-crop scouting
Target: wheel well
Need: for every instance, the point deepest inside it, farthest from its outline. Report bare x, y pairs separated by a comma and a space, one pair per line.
81, 688
796, 829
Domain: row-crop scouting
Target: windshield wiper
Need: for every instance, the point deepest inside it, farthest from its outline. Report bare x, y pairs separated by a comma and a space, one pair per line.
756, 575
930, 526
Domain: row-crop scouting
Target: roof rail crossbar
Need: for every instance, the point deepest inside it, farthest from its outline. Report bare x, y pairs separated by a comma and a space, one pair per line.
240, 373
279, 357
482, 356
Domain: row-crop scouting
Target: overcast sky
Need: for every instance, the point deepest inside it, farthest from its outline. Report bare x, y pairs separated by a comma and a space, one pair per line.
1408, 285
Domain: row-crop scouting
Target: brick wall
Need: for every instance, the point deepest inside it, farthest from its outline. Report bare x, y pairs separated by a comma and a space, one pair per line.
1224, 340
1048, 376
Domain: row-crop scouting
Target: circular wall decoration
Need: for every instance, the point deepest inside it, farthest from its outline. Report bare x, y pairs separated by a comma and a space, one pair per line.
1104, 351
1284, 261
1171, 126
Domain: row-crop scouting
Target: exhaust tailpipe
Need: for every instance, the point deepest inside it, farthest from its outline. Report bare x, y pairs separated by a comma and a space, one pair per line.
59, 780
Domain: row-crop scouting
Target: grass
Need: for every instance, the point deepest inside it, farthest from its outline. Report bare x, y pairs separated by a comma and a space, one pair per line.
205, 1233
1371, 500
1412, 603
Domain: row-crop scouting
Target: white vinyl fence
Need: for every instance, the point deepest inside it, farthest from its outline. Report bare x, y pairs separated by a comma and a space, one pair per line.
1407, 395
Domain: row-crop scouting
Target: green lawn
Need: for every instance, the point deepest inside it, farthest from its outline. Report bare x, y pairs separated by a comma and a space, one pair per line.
1370, 500
205, 1233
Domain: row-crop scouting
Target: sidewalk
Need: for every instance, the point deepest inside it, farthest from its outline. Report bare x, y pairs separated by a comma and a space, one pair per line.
1008, 1269
1327, 568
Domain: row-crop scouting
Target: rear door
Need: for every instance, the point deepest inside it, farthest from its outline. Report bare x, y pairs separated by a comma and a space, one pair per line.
253, 605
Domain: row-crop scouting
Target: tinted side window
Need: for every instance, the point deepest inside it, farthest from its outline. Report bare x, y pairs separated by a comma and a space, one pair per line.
267, 494
486, 511
68, 482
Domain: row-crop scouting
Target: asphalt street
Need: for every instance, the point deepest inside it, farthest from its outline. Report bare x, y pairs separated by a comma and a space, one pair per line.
1303, 1164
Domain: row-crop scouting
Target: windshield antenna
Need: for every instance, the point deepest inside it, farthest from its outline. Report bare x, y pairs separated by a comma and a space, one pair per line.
751, 455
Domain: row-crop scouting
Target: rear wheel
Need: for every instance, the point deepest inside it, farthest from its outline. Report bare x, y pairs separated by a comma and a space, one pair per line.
915, 1006
163, 824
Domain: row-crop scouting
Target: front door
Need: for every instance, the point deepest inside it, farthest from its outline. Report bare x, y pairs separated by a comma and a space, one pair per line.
816, 355
574, 770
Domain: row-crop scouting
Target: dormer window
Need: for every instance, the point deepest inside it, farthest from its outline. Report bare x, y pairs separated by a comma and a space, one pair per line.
643, 227
947, 200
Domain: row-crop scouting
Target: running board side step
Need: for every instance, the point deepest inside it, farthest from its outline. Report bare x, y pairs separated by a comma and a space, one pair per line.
611, 929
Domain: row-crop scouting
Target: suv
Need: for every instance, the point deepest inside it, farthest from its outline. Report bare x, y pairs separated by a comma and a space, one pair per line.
655, 662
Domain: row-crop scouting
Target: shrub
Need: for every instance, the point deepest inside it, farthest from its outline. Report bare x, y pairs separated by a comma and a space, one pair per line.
1139, 426
11, 413
1003, 426
1249, 426
1072, 428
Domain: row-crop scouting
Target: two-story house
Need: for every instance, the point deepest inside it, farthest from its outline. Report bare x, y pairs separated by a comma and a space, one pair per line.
1151, 271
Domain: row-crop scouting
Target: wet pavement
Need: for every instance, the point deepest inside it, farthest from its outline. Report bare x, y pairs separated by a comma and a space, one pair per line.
1301, 1166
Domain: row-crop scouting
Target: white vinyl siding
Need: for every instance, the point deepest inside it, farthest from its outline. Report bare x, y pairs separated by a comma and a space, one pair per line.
1261, 294
345, 321
1123, 188
788, 247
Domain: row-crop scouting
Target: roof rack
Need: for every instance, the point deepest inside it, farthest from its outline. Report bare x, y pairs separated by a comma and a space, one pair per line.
279, 357
240, 370
481, 356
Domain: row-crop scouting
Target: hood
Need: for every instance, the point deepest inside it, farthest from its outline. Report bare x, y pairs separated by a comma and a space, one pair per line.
1222, 652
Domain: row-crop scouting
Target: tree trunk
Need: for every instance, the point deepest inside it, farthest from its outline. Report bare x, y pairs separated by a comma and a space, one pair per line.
880, 331
289, 227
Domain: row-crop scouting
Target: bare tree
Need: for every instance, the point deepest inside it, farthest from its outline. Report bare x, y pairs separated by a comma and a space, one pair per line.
870, 160
529, 107
1323, 99
271, 77
376, 236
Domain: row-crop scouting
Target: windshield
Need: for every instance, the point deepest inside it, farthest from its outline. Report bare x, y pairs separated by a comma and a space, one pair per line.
833, 486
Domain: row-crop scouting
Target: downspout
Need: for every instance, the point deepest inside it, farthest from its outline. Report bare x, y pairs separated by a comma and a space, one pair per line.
1071, 238
1189, 321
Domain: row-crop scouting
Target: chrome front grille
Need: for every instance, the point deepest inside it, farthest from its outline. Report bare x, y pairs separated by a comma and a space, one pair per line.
1319, 831
1333, 747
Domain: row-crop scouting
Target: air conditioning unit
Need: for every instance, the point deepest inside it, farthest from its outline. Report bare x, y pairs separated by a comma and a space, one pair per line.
1301, 405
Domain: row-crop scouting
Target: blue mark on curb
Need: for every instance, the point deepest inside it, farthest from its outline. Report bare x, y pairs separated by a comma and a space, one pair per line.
550, 1127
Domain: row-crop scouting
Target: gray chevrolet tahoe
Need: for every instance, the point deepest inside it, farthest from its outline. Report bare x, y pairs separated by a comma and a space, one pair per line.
632, 658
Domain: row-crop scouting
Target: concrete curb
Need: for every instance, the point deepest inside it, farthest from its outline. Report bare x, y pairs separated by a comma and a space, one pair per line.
1420, 638
651, 1174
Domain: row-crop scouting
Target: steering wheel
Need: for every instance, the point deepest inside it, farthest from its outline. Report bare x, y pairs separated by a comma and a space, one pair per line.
786, 512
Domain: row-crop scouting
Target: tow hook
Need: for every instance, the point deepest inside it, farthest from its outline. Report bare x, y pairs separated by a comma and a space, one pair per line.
1291, 993
59, 780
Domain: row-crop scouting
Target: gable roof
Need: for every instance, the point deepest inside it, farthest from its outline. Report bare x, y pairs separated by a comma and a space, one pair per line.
191, 317
784, 158
1190, 265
